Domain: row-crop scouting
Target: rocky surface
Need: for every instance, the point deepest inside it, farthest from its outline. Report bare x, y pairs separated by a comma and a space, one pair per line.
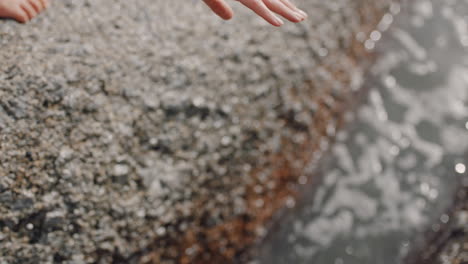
447, 243
151, 131
454, 250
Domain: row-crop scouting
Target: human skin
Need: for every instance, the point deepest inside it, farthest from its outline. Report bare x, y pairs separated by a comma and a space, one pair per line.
264, 8
22, 10
25, 10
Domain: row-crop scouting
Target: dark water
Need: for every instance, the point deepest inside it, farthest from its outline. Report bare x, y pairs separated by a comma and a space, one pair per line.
394, 170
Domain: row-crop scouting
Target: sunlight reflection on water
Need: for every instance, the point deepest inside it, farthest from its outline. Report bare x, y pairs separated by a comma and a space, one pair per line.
393, 171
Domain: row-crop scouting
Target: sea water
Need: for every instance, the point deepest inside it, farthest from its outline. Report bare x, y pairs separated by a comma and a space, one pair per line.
394, 169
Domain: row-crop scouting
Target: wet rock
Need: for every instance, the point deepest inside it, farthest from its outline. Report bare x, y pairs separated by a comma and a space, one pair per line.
449, 243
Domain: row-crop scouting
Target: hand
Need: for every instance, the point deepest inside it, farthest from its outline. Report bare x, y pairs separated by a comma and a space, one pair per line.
263, 8
22, 10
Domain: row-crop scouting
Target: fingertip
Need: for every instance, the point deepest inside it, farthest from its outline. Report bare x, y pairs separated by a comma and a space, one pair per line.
278, 23
304, 14
227, 15
297, 18
21, 17
220, 7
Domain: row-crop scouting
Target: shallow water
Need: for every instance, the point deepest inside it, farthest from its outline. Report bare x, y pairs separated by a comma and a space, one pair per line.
394, 169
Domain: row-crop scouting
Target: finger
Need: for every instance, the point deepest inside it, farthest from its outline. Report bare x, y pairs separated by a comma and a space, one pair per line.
294, 7
43, 4
283, 10
262, 10
36, 5
20, 15
220, 8
29, 10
